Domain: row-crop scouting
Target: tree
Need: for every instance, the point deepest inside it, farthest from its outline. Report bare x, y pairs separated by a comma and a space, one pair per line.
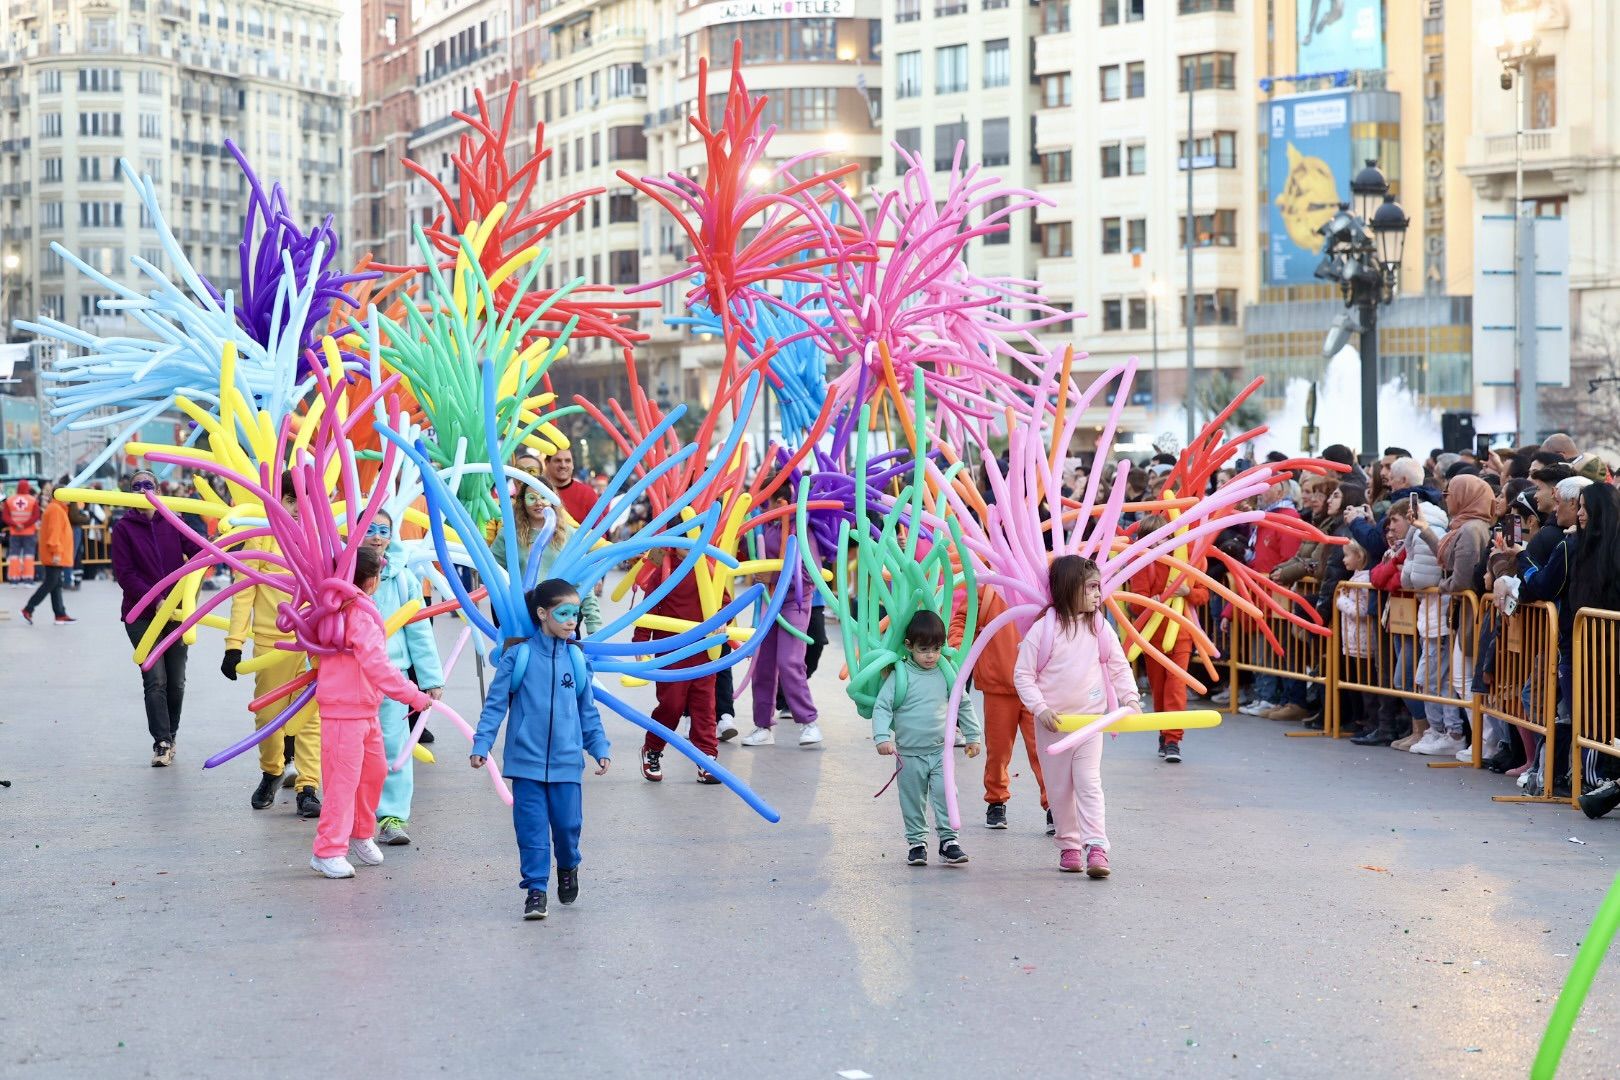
1213, 392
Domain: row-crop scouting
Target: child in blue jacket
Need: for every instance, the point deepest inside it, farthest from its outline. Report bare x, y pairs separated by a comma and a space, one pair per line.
544, 683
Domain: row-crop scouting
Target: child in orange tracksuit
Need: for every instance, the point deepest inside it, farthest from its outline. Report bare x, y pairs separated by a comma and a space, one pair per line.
1169, 693
1004, 714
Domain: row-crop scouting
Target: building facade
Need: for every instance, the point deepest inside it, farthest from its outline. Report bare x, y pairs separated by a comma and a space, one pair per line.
1111, 134
384, 117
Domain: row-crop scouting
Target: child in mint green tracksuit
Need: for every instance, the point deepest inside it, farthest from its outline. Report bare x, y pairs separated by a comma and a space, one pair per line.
410, 647
913, 729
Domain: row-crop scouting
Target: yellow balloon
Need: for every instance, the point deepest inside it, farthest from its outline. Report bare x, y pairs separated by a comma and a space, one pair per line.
1153, 721
422, 754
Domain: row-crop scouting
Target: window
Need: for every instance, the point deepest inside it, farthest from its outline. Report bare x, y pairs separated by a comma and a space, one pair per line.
97, 215
1218, 308
1136, 79
627, 143
50, 125
152, 167
996, 63
909, 141
907, 10
621, 207
101, 123
50, 215
1057, 167
1212, 230
946, 138
1112, 235
1136, 234
1110, 154
1541, 99
1108, 79
1054, 16
51, 170
949, 7
812, 39
51, 263
624, 78
624, 267
1215, 151
1057, 240
1137, 315
151, 126
90, 169
1216, 70
50, 82
596, 148
993, 208
950, 69
100, 79
153, 255
1135, 10
1136, 160
1108, 12
1056, 90
151, 82
1555, 206
908, 74
1113, 314
1198, 7
997, 142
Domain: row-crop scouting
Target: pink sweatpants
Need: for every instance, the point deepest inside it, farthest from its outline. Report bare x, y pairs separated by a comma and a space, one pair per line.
353, 769
1074, 790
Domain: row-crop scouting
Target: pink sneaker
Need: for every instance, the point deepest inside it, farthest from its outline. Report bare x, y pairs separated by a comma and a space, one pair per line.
1096, 862
1071, 861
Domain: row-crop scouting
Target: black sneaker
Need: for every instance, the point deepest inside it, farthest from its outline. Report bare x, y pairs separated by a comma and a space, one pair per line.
1172, 753
534, 907
952, 854
1051, 828
567, 885
651, 765
427, 737
309, 803
265, 794
1161, 747
995, 816
917, 856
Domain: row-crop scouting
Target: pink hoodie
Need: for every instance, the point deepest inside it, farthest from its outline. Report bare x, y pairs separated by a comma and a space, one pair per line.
1064, 671
352, 682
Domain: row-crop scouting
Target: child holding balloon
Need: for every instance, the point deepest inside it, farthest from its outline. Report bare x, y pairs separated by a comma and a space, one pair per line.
910, 725
350, 690
542, 688
1072, 662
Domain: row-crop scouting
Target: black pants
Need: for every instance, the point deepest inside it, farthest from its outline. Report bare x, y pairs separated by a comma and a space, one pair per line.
725, 696
163, 686
53, 585
817, 629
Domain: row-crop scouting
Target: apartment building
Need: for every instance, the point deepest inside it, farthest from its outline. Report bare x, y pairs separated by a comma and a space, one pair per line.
161, 84
384, 117
1111, 132
960, 73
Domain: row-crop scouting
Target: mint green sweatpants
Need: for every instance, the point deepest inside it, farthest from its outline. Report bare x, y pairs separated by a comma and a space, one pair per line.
922, 780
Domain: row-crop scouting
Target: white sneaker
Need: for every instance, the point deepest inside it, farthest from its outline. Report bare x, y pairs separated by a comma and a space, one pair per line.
1257, 708
810, 735
1427, 743
337, 867
726, 727
1465, 754
760, 736
366, 852
1443, 746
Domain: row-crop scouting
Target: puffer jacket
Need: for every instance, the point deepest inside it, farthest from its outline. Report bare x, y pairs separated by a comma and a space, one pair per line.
412, 645
1355, 611
1422, 570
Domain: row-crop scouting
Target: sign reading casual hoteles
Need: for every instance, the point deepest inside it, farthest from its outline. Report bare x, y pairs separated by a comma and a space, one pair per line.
730, 11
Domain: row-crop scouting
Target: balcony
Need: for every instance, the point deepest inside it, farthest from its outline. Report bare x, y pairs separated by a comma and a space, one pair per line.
16, 189
460, 62
1565, 152
167, 9
436, 126
12, 101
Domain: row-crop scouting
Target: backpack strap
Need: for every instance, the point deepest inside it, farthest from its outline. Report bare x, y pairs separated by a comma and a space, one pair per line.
576, 656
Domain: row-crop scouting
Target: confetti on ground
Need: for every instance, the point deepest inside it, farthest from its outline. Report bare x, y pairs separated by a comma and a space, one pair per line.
1376, 869
854, 1074
1575, 841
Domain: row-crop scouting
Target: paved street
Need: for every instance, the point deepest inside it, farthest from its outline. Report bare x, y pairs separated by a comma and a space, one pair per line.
1290, 908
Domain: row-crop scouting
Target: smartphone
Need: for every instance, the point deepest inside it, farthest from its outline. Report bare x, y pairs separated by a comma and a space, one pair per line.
1482, 447
1412, 505
1517, 530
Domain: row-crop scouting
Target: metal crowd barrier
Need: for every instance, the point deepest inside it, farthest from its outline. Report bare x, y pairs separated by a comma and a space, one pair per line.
1595, 662
1305, 658
95, 546
1524, 689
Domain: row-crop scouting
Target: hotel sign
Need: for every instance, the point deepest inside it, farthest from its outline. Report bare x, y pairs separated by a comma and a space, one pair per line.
730, 11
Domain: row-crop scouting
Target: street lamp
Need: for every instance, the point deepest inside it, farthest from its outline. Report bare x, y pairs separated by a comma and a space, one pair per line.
1155, 291
1514, 39
1362, 254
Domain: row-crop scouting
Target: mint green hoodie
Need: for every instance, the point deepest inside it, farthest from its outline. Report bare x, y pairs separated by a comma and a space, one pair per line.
918, 725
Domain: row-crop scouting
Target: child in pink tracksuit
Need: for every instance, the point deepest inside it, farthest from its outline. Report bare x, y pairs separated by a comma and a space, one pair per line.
349, 689
1067, 664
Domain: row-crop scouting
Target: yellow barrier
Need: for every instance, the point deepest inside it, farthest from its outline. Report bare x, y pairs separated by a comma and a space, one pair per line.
1596, 676
95, 545
1304, 659
1527, 655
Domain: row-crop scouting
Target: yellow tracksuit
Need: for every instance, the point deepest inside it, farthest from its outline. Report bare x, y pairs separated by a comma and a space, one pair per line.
253, 611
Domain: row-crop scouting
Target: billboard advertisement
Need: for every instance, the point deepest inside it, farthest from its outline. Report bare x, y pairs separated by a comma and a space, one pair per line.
1309, 172
1340, 35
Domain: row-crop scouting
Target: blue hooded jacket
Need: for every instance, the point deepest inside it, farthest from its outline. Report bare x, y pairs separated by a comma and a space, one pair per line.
412, 645
553, 717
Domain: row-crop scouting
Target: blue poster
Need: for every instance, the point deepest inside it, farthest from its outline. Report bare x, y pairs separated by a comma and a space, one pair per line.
1340, 35
1308, 169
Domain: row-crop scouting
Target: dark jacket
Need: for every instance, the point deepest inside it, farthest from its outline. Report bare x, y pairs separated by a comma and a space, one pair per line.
145, 550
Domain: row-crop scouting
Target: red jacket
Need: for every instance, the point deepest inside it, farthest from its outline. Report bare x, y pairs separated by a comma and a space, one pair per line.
1386, 576
22, 511
1273, 547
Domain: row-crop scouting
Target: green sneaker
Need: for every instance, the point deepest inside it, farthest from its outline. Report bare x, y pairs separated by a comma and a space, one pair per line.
391, 831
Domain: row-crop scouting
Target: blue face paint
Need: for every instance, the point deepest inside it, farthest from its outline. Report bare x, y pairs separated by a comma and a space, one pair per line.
565, 613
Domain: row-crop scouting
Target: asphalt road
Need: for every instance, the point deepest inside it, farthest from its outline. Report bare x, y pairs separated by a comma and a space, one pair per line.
1279, 907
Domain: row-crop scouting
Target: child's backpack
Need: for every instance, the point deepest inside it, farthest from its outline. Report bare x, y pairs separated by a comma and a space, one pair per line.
575, 654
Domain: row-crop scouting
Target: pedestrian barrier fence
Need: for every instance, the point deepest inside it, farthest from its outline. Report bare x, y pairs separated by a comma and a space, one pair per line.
95, 546
1596, 670
1524, 684
1303, 657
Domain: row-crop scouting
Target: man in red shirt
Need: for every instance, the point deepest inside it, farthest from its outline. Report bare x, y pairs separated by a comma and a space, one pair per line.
22, 514
577, 498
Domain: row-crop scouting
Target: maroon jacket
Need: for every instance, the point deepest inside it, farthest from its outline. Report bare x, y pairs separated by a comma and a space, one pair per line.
145, 550
683, 602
